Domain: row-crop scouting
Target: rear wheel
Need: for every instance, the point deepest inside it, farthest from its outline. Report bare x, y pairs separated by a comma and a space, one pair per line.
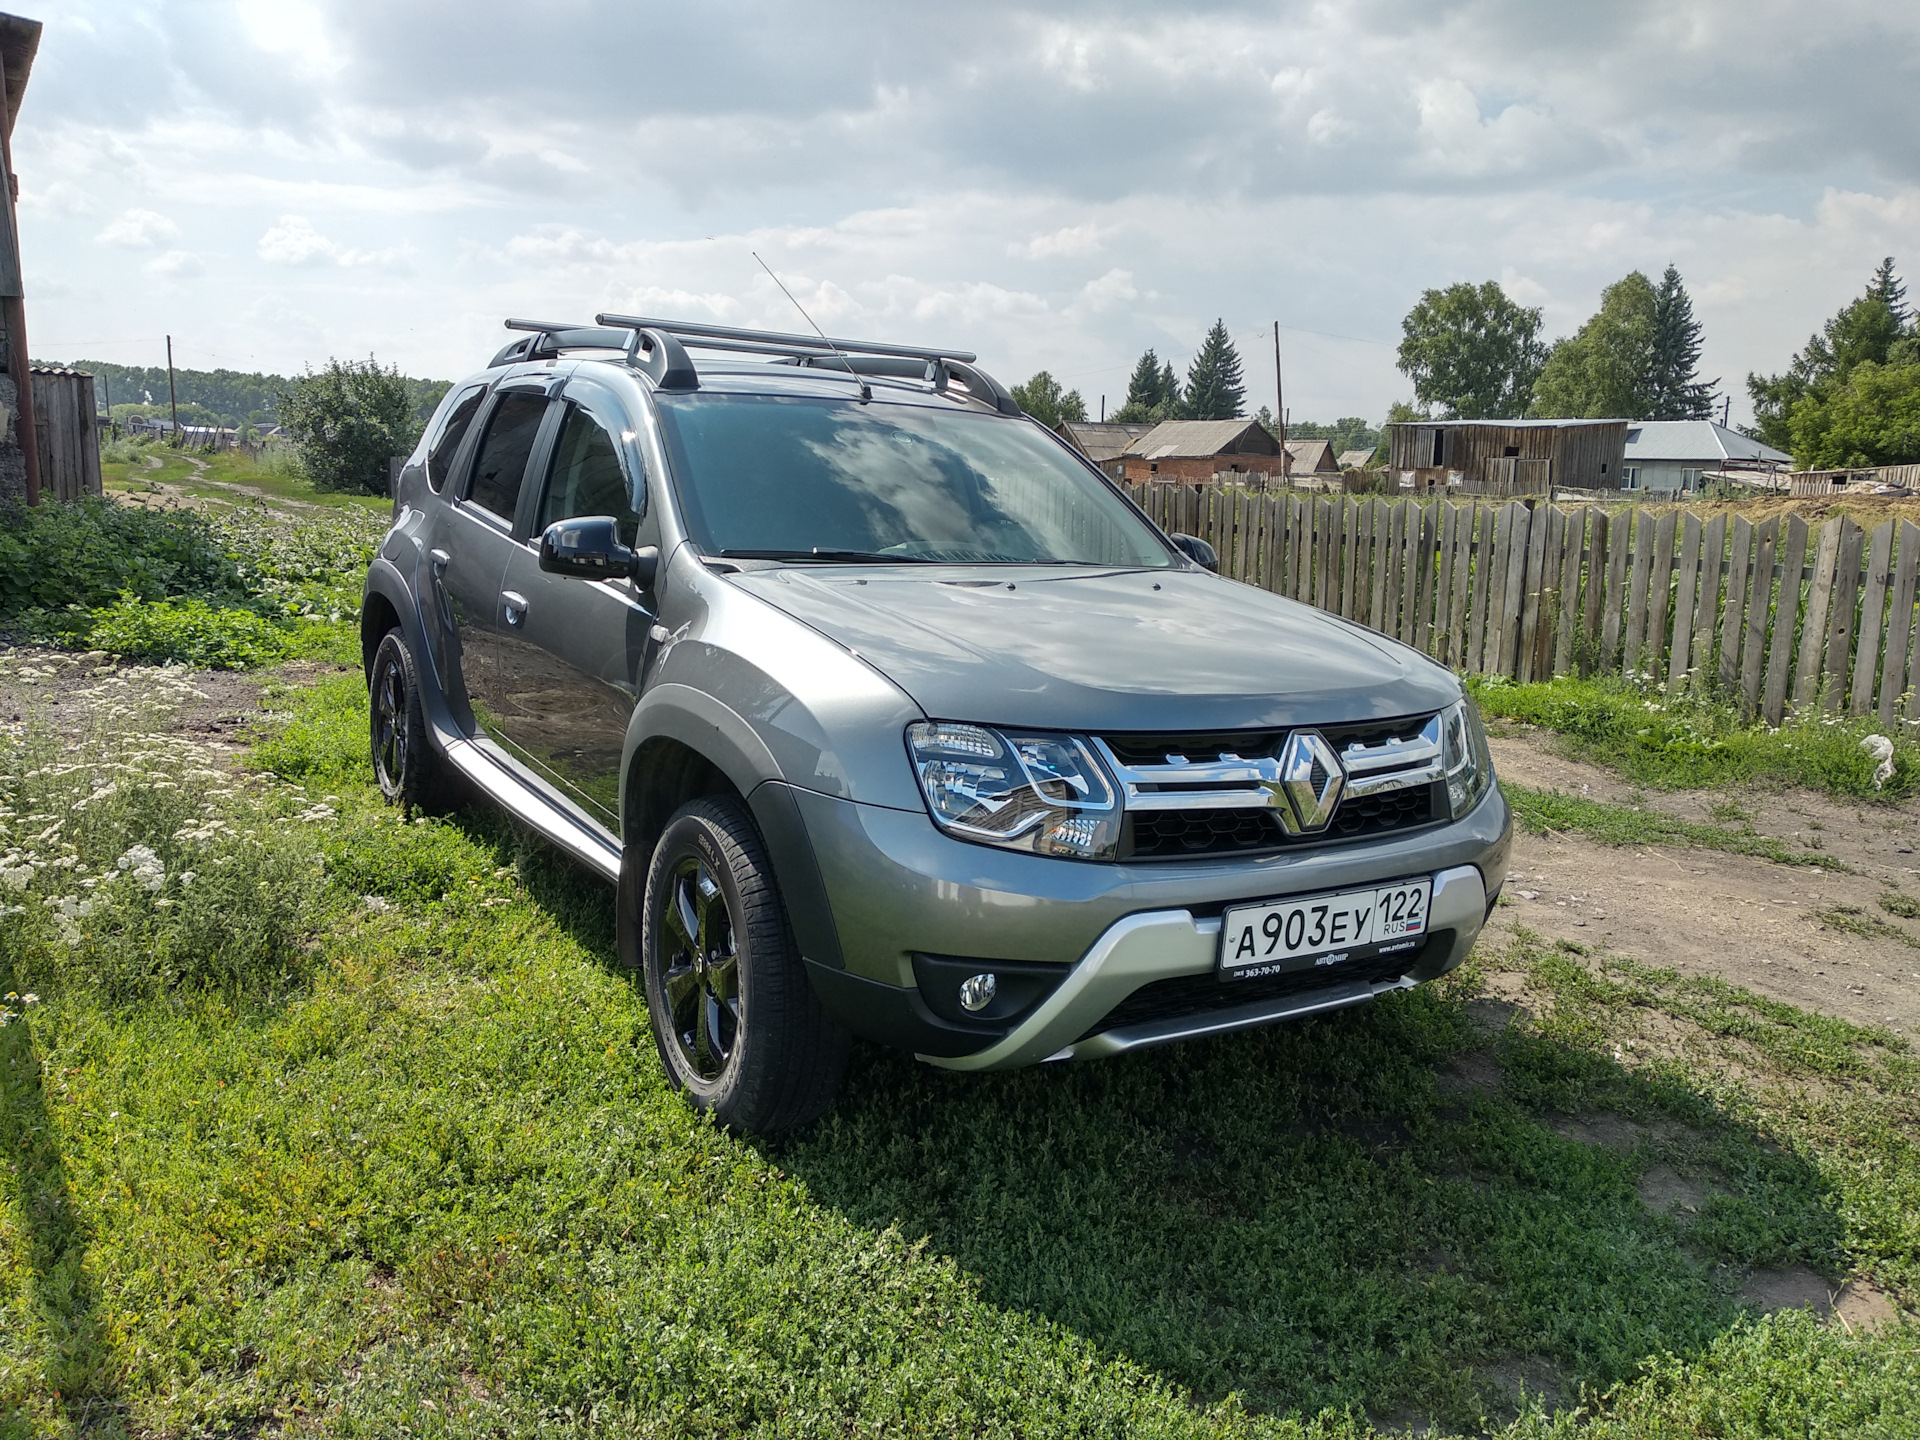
734, 1017
410, 772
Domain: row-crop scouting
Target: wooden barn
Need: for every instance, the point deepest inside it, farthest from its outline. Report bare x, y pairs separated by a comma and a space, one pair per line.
1508, 457
67, 432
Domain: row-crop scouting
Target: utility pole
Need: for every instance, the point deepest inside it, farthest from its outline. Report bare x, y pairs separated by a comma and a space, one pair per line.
1280, 405
172, 404
107, 386
1726, 412
1103, 409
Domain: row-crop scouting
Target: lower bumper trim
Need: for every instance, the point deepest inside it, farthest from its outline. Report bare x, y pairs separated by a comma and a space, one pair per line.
1221, 1022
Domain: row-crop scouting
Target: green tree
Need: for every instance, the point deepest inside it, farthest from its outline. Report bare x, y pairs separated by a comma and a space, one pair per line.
1214, 391
1472, 352
1041, 397
1606, 368
1153, 393
1867, 331
1674, 389
347, 420
1873, 418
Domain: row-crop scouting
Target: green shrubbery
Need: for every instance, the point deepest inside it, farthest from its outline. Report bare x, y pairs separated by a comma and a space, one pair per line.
1695, 742
223, 591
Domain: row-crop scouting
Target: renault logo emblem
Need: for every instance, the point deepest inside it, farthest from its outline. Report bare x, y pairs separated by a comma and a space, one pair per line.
1310, 783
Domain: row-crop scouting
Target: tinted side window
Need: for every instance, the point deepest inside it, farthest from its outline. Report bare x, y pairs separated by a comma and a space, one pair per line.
586, 478
440, 453
505, 450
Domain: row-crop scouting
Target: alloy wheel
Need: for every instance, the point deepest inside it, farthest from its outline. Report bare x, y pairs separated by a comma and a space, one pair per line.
390, 726
699, 968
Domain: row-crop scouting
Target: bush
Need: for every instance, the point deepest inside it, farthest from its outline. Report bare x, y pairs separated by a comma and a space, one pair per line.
185, 632
348, 420
93, 551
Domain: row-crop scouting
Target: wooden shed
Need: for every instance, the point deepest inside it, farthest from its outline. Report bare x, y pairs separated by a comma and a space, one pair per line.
1508, 457
67, 432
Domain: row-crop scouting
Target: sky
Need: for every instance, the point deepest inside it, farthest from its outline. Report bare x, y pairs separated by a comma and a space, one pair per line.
1058, 186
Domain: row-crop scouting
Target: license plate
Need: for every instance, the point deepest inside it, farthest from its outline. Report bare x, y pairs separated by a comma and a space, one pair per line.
1317, 930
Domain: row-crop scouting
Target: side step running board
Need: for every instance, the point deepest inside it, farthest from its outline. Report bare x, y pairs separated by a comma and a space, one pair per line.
526, 804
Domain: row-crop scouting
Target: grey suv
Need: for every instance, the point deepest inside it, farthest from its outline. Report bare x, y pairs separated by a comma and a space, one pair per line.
889, 715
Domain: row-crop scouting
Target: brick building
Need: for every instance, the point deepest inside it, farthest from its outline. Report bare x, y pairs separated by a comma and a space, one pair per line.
1194, 451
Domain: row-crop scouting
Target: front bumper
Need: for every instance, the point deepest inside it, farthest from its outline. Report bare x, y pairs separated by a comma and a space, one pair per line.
1169, 944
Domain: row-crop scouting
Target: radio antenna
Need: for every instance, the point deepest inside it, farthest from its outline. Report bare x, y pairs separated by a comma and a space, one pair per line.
866, 393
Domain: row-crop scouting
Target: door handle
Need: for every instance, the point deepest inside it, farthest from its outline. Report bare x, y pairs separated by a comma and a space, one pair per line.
516, 606
440, 560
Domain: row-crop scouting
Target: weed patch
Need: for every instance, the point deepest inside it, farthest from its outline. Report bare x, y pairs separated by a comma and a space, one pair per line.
1551, 811
1689, 742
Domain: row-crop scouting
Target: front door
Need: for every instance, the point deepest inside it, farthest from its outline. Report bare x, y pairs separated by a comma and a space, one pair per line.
472, 549
573, 665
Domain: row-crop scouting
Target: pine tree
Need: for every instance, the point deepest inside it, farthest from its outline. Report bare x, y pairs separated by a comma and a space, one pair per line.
1887, 288
1214, 391
1143, 388
1153, 394
1673, 392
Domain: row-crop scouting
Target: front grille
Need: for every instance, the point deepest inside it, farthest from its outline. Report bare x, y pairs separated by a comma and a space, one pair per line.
1188, 995
1198, 793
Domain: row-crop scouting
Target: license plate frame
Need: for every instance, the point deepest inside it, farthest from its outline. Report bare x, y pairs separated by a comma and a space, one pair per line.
1253, 947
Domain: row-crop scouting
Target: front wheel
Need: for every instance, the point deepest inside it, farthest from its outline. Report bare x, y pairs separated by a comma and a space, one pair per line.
734, 1017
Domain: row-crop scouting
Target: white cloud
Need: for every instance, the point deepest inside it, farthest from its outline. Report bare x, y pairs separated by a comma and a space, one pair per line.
294, 241
1070, 240
175, 265
138, 230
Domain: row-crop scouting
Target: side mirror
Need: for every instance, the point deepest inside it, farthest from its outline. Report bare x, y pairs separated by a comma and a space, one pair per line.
589, 548
1198, 551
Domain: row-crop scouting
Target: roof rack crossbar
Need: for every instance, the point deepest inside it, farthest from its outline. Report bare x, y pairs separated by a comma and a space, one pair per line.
688, 331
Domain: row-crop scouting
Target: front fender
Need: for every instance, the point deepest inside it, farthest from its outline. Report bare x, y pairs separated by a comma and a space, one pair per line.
704, 725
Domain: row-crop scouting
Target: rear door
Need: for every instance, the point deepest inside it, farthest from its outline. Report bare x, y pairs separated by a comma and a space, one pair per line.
574, 663
474, 543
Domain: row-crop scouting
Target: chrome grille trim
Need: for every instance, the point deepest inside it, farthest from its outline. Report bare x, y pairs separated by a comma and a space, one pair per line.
1232, 782
1395, 764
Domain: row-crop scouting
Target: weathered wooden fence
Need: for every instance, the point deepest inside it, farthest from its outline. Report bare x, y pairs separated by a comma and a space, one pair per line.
1772, 615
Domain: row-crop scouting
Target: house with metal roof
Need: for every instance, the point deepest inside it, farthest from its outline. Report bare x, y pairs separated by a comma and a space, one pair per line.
1673, 456
1195, 451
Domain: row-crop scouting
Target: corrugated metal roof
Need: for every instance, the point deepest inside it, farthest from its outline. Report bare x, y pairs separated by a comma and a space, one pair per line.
1192, 439
1701, 441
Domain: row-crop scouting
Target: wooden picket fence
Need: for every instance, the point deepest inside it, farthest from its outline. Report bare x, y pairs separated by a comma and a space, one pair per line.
1730, 607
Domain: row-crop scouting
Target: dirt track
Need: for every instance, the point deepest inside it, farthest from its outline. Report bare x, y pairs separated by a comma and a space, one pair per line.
1746, 920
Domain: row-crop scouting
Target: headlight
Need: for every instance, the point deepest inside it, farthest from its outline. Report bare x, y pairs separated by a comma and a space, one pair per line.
1045, 794
1469, 764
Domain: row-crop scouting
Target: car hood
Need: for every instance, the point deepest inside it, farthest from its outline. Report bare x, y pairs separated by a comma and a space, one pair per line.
1107, 650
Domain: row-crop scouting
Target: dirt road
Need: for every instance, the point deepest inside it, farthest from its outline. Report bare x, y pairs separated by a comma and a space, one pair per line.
1752, 922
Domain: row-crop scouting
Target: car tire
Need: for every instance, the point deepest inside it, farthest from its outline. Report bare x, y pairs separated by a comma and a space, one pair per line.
736, 1020
407, 768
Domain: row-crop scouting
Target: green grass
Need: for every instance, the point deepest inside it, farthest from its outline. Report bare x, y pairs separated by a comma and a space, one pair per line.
439, 1186
219, 474
1685, 743
1553, 811
1852, 920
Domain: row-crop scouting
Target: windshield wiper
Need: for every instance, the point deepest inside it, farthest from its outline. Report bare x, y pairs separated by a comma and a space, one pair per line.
843, 557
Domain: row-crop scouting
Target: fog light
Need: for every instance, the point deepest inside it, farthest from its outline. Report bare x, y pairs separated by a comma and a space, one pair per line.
976, 991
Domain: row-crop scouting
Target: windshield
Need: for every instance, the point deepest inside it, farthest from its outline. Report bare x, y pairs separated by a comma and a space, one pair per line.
786, 478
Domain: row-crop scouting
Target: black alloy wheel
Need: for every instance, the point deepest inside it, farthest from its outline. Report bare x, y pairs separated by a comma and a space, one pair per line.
700, 968
404, 762
734, 1016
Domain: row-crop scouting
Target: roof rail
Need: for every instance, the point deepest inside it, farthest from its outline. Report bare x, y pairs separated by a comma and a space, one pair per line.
666, 359
690, 333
